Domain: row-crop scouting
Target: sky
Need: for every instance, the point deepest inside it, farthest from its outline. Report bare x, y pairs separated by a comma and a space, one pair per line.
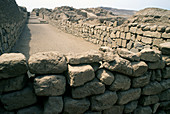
121, 4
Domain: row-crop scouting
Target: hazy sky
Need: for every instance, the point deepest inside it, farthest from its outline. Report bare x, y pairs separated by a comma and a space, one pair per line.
123, 4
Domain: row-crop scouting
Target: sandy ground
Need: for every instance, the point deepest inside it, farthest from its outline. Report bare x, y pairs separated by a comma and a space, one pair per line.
43, 37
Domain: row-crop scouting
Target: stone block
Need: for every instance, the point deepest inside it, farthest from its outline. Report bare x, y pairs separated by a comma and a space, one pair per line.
126, 54
147, 40
124, 43
12, 65
161, 28
30, 110
119, 65
143, 110
166, 72
165, 48
142, 80
165, 95
79, 75
165, 84
130, 44
165, 105
149, 100
116, 109
91, 88
139, 68
139, 31
128, 36
75, 106
88, 57
139, 38
118, 42
122, 35
156, 65
130, 107
152, 34
133, 30
166, 35
125, 97
54, 105
152, 88
157, 42
149, 55
13, 84
18, 99
47, 63
105, 76
118, 34
121, 82
50, 85
103, 101
167, 30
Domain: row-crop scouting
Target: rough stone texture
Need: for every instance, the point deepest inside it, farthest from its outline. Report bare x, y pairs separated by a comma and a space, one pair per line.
3, 111
121, 82
105, 76
49, 85
152, 88
53, 105
165, 84
73, 106
143, 110
139, 68
103, 101
142, 80
149, 100
12, 65
18, 99
125, 53
130, 107
156, 65
79, 75
147, 40
165, 95
90, 112
149, 55
165, 48
156, 75
88, 57
13, 84
155, 107
128, 96
165, 105
91, 88
47, 63
166, 72
31, 110
116, 109
119, 65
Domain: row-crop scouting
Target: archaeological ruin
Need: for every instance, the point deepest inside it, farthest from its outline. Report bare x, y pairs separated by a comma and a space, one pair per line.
129, 74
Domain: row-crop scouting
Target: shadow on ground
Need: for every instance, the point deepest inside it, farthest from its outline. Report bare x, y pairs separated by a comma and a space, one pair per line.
22, 44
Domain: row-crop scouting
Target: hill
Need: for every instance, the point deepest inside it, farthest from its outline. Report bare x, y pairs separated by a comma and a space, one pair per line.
120, 11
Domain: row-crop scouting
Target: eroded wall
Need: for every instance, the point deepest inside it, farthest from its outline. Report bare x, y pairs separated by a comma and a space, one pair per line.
12, 22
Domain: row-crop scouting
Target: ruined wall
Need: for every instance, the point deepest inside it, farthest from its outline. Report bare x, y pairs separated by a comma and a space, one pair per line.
103, 82
141, 31
12, 22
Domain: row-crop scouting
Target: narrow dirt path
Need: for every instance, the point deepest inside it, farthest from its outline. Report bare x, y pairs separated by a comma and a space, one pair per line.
44, 37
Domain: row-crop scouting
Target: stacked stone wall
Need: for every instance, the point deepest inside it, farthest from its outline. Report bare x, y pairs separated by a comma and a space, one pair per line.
12, 21
101, 82
132, 36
